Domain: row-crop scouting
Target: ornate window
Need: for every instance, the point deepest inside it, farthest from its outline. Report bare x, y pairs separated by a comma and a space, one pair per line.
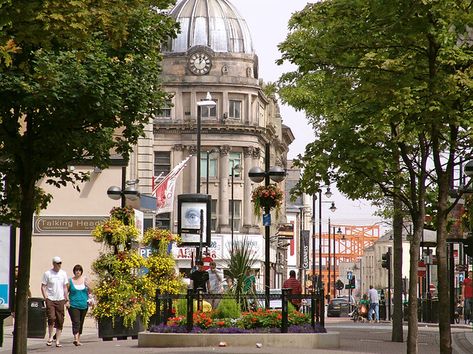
236, 205
209, 112
234, 160
234, 109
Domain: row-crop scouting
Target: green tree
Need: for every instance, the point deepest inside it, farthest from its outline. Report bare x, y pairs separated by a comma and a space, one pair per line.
78, 80
387, 88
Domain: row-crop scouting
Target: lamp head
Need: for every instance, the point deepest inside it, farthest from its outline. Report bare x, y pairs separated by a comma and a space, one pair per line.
256, 174
328, 193
207, 102
333, 207
131, 193
236, 169
277, 173
114, 192
469, 168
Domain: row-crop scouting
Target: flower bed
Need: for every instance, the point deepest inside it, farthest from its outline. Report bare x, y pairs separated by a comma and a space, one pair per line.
252, 327
259, 321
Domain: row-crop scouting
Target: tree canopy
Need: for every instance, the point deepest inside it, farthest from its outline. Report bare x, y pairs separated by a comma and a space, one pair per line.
387, 88
78, 81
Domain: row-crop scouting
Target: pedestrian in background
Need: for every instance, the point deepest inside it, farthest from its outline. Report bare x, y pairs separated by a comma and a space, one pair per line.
78, 301
468, 298
54, 290
215, 283
296, 288
199, 277
374, 304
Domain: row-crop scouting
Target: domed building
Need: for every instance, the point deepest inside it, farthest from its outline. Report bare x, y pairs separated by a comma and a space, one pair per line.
214, 54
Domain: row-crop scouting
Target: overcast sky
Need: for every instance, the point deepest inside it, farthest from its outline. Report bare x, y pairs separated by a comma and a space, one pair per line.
267, 20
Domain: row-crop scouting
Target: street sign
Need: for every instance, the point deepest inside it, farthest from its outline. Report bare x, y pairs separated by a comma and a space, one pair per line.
266, 219
349, 274
207, 261
339, 285
421, 269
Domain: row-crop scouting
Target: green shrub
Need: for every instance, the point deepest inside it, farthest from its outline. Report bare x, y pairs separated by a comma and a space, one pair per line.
228, 308
181, 307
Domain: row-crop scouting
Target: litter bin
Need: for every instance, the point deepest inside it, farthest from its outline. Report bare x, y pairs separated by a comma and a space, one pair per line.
382, 310
36, 318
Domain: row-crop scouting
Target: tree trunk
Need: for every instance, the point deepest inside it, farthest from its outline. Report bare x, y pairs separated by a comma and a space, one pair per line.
414, 252
397, 334
442, 270
24, 262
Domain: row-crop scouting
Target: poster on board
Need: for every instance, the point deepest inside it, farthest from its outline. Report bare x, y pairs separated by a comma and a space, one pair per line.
193, 211
5, 268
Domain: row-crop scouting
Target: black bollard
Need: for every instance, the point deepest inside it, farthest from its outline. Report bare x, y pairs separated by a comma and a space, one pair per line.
284, 320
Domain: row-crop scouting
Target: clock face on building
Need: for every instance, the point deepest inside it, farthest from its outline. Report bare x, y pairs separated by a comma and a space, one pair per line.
200, 63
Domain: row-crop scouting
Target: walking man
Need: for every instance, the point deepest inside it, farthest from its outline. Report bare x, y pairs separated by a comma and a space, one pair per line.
54, 290
374, 304
296, 288
468, 298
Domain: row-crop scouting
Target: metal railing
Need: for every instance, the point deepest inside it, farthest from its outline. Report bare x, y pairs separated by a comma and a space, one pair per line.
164, 303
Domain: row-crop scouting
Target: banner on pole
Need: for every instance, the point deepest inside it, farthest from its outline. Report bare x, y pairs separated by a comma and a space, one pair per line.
164, 190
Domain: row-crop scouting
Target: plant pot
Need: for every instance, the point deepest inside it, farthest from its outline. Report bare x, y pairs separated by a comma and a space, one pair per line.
109, 329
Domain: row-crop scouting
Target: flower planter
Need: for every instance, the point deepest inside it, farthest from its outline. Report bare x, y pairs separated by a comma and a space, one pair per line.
109, 329
280, 340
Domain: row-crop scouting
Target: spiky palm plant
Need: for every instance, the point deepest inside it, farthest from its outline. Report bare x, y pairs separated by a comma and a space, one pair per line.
239, 266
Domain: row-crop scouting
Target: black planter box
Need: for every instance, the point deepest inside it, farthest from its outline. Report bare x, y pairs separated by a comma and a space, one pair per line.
109, 329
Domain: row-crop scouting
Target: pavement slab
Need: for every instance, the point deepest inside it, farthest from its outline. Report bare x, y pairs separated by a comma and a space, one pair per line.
354, 338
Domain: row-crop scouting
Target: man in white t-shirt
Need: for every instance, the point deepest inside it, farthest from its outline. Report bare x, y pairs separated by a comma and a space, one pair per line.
54, 290
374, 304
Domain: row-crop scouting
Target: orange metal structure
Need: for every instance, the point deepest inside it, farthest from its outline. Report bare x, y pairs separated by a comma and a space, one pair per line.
350, 242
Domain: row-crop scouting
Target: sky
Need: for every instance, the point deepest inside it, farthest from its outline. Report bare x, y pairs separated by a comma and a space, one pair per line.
267, 20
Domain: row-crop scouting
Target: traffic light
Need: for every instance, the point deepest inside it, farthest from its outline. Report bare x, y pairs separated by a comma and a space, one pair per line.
468, 246
352, 282
386, 260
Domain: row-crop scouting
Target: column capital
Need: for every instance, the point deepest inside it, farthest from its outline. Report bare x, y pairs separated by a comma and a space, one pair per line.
248, 151
178, 147
256, 153
224, 150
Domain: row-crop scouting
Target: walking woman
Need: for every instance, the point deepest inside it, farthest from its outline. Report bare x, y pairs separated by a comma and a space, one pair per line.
78, 296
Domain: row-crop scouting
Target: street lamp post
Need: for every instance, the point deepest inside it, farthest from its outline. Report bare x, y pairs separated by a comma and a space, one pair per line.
257, 175
204, 103
238, 169
328, 194
339, 232
329, 263
127, 190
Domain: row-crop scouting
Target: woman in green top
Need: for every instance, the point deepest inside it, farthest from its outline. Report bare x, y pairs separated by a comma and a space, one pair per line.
78, 305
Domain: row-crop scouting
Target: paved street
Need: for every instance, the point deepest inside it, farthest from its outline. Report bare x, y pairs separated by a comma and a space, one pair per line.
355, 338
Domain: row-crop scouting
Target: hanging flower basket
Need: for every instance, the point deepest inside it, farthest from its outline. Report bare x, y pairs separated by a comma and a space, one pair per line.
159, 239
270, 196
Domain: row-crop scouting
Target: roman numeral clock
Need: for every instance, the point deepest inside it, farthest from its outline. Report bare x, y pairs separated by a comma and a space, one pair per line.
199, 63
